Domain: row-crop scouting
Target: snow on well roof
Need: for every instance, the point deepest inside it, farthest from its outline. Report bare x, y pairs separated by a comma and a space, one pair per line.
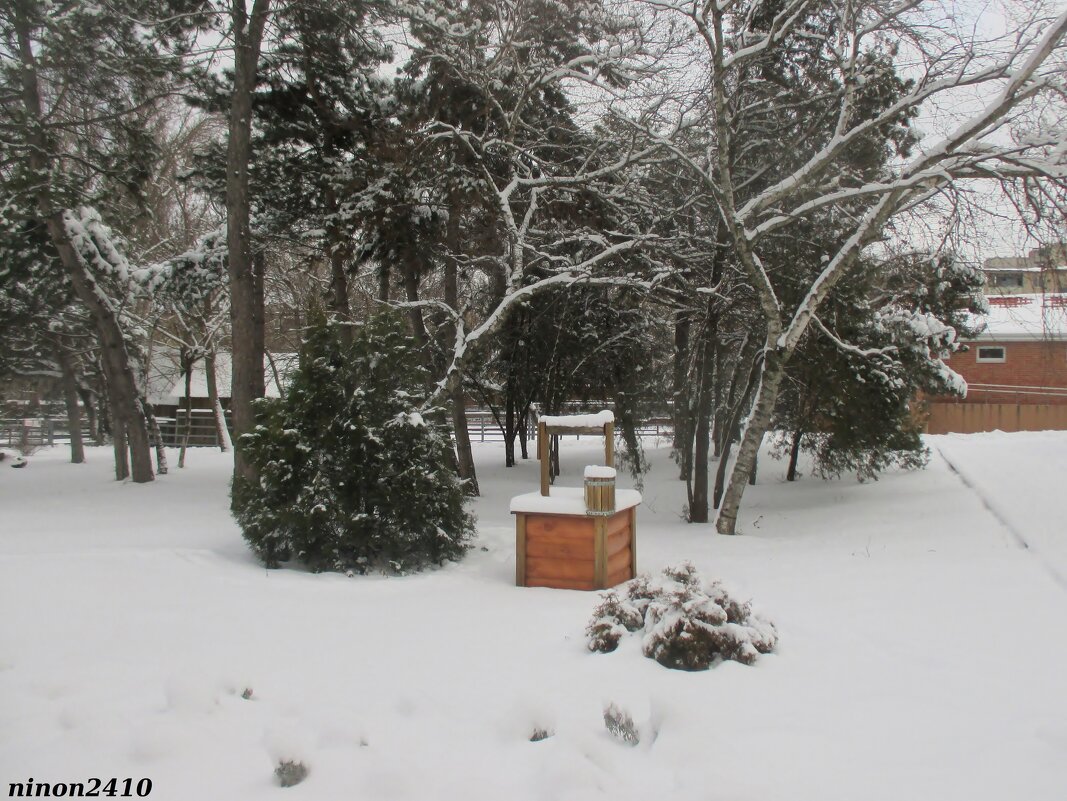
1024, 317
579, 420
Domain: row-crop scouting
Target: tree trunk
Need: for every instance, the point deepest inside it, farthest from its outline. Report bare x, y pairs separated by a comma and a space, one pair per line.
70, 399
759, 423
114, 358
464, 454
90, 414
118, 444
246, 298
794, 455
157, 435
340, 252
222, 433
698, 499
411, 293
680, 410
524, 433
383, 284
509, 426
187, 365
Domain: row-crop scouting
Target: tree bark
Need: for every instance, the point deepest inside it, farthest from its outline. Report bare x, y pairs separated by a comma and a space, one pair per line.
187, 367
118, 445
524, 433
759, 423
509, 425
70, 398
411, 293
794, 455
680, 410
90, 414
157, 435
738, 400
246, 298
458, 398
222, 433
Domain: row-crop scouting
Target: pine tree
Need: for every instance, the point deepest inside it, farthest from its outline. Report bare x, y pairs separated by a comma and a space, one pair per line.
352, 475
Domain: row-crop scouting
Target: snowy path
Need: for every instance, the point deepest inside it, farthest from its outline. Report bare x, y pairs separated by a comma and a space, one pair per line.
921, 656
1023, 487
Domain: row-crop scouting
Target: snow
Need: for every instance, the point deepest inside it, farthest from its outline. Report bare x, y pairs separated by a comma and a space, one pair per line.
921, 646
568, 501
597, 420
1035, 318
599, 471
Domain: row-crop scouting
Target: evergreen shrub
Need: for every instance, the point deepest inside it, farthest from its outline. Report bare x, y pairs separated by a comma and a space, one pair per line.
687, 624
352, 475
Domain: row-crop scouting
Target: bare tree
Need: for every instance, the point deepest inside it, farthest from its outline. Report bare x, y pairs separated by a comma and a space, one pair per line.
849, 47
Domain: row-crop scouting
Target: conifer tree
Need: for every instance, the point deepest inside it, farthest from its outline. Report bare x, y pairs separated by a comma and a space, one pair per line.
354, 475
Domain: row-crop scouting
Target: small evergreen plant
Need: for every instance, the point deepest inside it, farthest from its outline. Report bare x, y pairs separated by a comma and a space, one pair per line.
352, 476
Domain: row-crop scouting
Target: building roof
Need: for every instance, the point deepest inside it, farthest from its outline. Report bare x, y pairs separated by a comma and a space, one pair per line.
1024, 317
166, 382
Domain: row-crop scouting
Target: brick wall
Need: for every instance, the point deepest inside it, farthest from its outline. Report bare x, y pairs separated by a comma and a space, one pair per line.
1026, 364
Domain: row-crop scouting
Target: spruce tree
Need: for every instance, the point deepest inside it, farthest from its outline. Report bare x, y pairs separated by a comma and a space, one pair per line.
353, 472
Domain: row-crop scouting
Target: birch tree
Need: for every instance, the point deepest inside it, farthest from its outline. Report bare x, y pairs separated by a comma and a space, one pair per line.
554, 200
853, 74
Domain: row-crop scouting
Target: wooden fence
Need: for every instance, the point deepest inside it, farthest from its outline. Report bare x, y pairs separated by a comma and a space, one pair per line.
44, 431
969, 418
35, 432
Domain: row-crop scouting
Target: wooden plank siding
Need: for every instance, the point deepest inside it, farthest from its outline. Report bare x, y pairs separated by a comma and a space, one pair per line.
970, 418
577, 552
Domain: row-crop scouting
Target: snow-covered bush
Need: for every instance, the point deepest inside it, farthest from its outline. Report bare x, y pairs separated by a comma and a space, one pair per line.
352, 477
687, 624
290, 773
620, 725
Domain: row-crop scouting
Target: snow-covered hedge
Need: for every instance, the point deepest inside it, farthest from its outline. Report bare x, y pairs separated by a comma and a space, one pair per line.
352, 475
686, 623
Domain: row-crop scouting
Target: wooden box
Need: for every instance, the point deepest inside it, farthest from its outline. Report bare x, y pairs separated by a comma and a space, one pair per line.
571, 550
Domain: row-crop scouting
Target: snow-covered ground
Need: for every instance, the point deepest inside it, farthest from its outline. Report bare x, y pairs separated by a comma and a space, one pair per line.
921, 656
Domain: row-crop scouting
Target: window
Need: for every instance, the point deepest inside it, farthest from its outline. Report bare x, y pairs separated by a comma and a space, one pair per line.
1008, 280
991, 354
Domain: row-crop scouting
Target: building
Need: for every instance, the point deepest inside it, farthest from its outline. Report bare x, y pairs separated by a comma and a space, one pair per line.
166, 393
1044, 269
1015, 369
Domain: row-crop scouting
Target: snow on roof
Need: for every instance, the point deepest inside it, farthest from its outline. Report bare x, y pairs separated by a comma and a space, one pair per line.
1025, 269
1024, 317
166, 382
568, 501
597, 420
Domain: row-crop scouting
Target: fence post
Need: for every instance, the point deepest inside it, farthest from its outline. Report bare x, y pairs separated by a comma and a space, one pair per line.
51, 432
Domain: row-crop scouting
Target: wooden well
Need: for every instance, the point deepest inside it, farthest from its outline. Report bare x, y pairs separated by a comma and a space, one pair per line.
576, 538
575, 551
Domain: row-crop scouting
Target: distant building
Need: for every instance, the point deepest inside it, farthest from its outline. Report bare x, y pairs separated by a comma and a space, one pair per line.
1016, 369
1044, 269
166, 392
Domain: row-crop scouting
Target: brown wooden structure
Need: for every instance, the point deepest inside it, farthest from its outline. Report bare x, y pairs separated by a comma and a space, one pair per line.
564, 541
